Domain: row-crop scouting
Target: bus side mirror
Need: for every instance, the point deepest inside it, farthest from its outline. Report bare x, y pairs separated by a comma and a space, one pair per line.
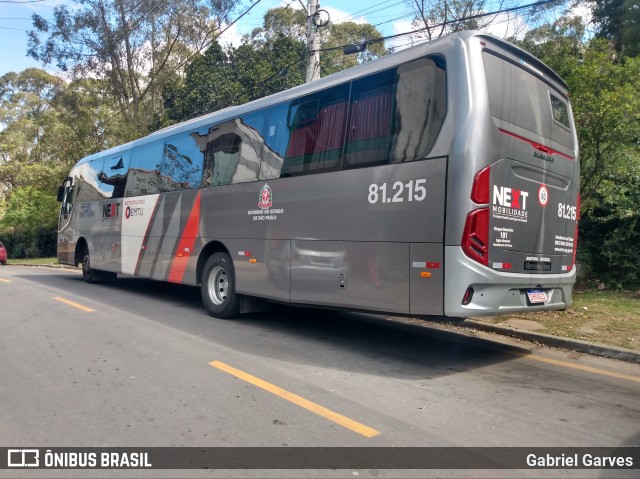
60, 196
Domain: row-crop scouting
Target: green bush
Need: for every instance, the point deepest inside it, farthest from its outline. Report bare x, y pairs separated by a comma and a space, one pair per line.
38, 243
609, 249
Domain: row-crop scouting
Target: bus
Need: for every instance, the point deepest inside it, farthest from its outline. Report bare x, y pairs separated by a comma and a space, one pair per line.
441, 180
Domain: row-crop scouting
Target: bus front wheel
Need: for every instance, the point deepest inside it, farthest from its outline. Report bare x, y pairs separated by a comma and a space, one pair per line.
88, 274
91, 275
218, 287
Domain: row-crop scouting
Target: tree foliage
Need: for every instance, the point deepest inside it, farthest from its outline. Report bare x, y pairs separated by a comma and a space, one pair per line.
283, 21
28, 156
134, 45
220, 78
270, 60
605, 96
619, 21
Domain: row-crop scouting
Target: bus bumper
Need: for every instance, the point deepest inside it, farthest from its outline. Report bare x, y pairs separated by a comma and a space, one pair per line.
495, 292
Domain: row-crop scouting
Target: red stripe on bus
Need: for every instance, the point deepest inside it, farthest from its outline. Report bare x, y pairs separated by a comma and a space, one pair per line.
185, 246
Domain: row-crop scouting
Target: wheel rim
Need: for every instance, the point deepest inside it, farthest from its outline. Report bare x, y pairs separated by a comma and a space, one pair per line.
218, 285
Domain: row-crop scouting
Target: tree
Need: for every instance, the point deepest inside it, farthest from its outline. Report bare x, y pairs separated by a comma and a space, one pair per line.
292, 23
48, 125
619, 21
349, 33
270, 60
135, 45
220, 78
28, 120
438, 18
605, 97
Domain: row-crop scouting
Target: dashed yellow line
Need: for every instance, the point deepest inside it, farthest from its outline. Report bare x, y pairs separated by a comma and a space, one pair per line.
299, 401
580, 367
2, 280
75, 305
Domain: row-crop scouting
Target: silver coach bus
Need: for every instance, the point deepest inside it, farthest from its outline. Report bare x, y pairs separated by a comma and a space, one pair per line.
440, 180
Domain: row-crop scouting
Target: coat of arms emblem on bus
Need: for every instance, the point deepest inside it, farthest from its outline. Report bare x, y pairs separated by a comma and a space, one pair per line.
266, 200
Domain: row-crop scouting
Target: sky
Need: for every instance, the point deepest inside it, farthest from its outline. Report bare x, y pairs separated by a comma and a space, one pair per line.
390, 16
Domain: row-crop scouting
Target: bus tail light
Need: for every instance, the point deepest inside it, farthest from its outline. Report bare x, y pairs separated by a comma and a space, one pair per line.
481, 187
475, 237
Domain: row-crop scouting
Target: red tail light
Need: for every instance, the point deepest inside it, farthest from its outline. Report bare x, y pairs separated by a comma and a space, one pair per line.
475, 238
480, 191
536, 146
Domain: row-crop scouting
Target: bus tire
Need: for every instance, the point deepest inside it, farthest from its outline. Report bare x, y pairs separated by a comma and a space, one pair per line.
91, 275
218, 287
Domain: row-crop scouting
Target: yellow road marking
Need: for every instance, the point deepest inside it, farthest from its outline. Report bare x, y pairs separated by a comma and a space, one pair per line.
75, 305
579, 367
2, 280
297, 400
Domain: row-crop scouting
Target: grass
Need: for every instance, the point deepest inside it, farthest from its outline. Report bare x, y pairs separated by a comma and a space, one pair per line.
34, 261
607, 317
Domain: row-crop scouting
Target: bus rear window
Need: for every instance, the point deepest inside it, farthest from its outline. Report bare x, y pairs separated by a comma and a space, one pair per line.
560, 110
519, 97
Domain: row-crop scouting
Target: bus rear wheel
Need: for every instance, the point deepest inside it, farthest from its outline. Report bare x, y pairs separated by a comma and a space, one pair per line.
218, 287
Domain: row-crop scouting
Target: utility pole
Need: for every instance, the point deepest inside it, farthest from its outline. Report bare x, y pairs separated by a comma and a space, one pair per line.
313, 42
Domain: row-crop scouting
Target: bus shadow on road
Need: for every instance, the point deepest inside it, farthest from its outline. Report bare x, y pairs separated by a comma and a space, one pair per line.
350, 341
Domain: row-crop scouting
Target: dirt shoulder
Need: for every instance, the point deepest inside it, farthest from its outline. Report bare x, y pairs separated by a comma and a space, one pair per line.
603, 317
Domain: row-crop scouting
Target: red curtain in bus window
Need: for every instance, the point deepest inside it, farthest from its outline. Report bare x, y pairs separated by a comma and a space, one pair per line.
324, 134
371, 117
369, 129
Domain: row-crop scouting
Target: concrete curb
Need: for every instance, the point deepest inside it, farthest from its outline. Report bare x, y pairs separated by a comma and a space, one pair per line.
54, 266
578, 345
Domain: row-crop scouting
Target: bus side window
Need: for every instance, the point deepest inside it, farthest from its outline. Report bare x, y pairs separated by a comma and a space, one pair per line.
144, 173
316, 132
67, 203
395, 116
232, 151
182, 159
370, 120
276, 138
113, 176
421, 107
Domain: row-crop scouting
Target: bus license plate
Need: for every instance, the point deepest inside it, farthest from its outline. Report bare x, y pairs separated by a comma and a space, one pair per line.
537, 296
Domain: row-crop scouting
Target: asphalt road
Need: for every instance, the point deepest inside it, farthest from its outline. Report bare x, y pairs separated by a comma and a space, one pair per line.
137, 363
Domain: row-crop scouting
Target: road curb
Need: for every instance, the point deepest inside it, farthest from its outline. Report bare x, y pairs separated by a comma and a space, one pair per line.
578, 345
54, 266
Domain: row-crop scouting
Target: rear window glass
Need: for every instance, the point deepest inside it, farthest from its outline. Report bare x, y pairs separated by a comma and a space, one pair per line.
519, 97
560, 110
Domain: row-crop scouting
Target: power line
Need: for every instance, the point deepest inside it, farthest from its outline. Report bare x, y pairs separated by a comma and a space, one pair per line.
353, 15
448, 22
395, 19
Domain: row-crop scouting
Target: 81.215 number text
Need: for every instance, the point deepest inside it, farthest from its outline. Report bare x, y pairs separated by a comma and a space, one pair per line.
412, 190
